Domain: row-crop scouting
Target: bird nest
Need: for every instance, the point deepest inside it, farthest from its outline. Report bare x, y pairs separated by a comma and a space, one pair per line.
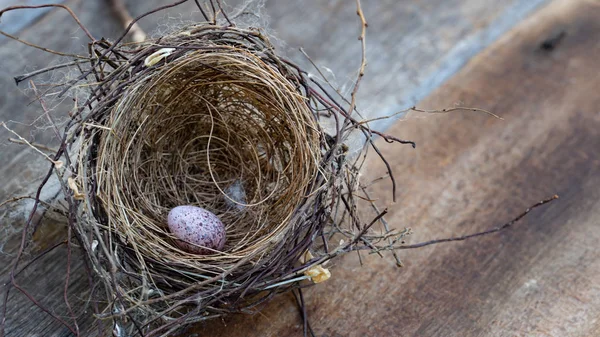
211, 116
208, 116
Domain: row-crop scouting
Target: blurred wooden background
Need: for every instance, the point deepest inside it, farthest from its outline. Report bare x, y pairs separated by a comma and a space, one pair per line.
536, 63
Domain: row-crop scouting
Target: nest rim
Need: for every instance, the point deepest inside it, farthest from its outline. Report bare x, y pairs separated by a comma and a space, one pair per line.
216, 284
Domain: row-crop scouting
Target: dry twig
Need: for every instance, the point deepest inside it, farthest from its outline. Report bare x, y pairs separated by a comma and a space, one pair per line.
136, 33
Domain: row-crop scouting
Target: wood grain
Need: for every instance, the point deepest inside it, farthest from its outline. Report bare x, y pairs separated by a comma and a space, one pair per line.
413, 46
469, 172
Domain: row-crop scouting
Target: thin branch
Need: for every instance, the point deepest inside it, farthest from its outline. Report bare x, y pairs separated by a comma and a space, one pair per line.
21, 78
39, 146
22, 246
223, 12
202, 10
445, 110
363, 61
57, 163
42, 48
384, 223
12, 8
458, 108
40, 255
489, 231
302, 307
243, 10
366, 228
67, 279
214, 10
136, 33
118, 41
45, 108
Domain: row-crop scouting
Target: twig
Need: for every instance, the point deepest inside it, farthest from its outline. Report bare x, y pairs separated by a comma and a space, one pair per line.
136, 33
202, 10
489, 231
242, 11
67, 279
39, 146
223, 12
366, 228
118, 41
46, 110
458, 108
363, 61
40, 255
12, 8
21, 78
214, 10
22, 246
42, 48
445, 110
15, 199
56, 163
385, 225
306, 328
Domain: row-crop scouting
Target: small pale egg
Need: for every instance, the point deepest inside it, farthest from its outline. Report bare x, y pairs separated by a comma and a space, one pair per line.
194, 226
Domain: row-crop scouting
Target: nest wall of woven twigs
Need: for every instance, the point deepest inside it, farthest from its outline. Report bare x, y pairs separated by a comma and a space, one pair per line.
193, 119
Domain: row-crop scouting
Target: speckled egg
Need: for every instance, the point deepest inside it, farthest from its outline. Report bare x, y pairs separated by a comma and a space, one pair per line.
194, 226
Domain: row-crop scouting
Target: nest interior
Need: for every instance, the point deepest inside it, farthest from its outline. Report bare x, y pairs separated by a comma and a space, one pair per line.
218, 129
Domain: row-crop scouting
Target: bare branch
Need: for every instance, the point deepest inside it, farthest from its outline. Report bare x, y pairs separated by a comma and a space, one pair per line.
489, 231
136, 33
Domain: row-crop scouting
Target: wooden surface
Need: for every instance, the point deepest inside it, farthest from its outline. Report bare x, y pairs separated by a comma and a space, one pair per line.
413, 46
469, 171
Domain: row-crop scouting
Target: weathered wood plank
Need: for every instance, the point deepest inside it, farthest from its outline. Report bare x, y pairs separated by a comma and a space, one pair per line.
413, 46
469, 173
22, 19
